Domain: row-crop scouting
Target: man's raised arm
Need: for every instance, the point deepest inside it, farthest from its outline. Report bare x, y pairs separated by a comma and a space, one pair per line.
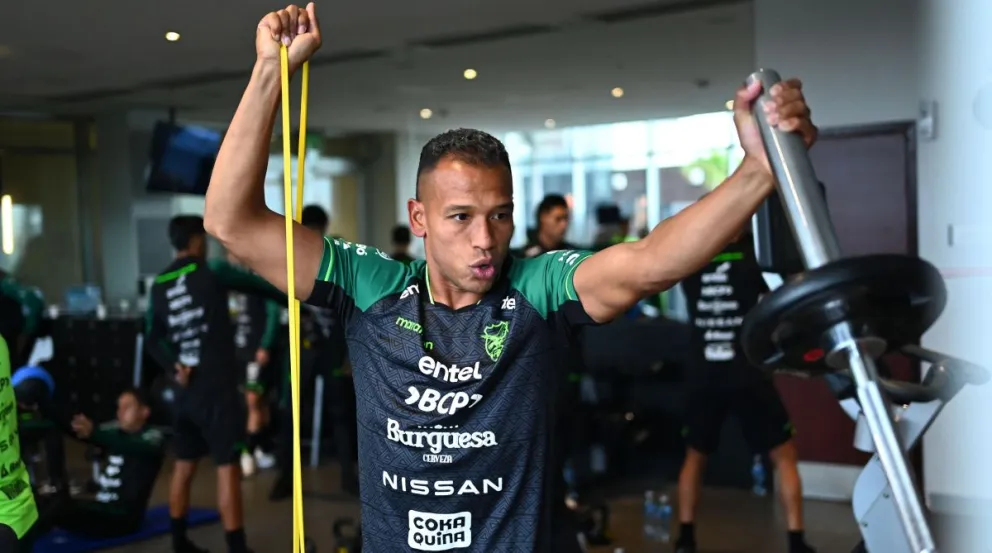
615, 279
236, 213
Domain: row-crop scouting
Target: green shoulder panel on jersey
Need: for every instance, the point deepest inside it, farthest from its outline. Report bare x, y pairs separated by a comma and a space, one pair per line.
546, 280
365, 274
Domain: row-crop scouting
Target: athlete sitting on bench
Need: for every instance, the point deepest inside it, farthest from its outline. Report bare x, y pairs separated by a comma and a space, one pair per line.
135, 454
721, 381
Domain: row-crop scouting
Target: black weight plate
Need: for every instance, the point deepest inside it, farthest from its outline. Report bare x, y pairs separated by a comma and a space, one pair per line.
892, 297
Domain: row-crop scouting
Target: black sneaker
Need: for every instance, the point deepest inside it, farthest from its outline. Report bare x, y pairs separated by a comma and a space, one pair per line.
804, 548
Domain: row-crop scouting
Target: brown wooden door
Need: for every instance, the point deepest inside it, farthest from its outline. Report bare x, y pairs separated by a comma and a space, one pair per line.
869, 174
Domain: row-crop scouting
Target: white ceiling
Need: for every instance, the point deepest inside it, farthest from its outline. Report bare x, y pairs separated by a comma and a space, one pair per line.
687, 58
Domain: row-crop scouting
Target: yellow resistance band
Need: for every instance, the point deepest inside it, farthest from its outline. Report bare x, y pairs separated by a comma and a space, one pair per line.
299, 539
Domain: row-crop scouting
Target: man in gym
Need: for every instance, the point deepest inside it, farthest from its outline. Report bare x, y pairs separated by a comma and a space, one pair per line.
552, 226
256, 323
401, 244
721, 380
135, 454
456, 357
190, 332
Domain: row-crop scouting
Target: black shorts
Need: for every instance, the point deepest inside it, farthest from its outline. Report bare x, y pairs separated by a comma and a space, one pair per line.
213, 425
8, 539
715, 393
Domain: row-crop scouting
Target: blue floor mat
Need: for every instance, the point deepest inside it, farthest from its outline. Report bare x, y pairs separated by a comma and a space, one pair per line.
156, 524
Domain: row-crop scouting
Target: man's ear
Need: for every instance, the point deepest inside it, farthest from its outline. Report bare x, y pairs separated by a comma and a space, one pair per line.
418, 218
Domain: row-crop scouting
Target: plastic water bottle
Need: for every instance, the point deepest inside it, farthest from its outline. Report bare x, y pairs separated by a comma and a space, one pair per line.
650, 516
663, 528
758, 474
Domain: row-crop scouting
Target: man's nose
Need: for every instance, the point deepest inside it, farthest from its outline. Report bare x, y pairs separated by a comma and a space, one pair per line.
483, 237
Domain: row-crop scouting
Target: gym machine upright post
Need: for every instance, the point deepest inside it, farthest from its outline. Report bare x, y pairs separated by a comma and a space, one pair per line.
839, 316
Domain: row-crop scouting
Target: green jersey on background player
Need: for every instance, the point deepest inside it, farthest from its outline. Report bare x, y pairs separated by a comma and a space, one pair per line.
17, 507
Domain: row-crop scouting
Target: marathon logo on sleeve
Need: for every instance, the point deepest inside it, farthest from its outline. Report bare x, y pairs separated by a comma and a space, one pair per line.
435, 532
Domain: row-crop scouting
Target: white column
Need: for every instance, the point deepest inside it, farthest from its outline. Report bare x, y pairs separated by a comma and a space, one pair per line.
580, 205
653, 191
955, 183
118, 234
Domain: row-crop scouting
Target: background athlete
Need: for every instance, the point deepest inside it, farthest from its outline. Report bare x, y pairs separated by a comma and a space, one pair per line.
552, 218
134, 454
189, 330
455, 358
18, 511
322, 352
256, 323
721, 380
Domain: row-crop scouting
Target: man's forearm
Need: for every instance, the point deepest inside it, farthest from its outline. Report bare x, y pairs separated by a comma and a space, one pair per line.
236, 186
685, 243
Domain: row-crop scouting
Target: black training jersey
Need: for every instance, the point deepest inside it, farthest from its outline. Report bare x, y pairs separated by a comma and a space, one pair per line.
718, 297
189, 321
455, 407
133, 463
256, 322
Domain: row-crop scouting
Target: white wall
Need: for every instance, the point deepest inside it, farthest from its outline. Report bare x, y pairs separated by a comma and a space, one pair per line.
117, 239
955, 199
856, 58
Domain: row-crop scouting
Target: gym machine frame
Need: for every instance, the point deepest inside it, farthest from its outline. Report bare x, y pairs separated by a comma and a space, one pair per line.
837, 318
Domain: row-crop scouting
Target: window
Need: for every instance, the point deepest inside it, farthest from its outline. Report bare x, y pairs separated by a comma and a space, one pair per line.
648, 170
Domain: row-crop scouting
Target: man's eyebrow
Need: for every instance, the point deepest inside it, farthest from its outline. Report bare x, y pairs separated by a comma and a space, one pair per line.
451, 208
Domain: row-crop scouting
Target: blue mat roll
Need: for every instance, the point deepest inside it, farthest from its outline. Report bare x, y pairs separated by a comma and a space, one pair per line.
157, 523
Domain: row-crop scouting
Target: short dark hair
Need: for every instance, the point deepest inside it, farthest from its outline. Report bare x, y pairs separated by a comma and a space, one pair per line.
182, 230
139, 395
550, 202
401, 235
314, 215
468, 145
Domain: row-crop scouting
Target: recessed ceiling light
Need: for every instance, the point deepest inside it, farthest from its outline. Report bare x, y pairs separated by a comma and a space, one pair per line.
426, 113
172, 36
730, 105
470, 74
549, 123
617, 92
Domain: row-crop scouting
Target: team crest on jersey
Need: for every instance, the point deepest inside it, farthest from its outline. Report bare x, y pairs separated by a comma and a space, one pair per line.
495, 337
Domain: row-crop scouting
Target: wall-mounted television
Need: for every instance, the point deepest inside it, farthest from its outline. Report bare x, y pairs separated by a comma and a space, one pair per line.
182, 158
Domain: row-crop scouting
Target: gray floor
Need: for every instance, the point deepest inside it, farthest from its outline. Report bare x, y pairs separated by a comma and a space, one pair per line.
731, 521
